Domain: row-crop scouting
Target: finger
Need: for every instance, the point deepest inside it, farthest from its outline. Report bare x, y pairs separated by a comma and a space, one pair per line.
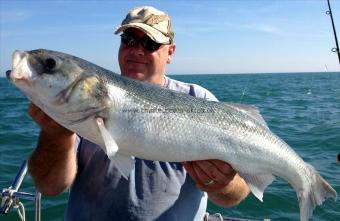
201, 181
204, 182
223, 167
36, 114
196, 177
202, 177
190, 170
211, 171
32, 109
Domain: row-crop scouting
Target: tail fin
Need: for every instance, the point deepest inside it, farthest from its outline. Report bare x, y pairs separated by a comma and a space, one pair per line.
319, 190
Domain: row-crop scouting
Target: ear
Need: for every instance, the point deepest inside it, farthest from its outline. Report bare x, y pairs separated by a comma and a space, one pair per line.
171, 52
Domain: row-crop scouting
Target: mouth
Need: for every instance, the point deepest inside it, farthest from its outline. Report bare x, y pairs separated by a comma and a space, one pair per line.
136, 62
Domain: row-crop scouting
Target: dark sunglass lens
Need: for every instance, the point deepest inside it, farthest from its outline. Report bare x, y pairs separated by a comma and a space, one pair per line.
150, 45
147, 43
128, 40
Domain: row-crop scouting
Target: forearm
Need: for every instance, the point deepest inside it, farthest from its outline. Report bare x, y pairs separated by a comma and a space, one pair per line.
232, 194
53, 163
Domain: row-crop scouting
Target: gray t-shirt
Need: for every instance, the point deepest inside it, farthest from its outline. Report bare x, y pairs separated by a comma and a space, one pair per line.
154, 191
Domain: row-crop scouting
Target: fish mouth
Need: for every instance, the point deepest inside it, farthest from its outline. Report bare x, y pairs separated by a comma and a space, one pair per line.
8, 74
21, 71
17, 80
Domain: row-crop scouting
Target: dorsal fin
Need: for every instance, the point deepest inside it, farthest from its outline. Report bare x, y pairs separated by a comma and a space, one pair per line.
250, 110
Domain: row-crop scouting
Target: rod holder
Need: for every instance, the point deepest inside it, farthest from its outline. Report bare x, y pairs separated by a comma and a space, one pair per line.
11, 197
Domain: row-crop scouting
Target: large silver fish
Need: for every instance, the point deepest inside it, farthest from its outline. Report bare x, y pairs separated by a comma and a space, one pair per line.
131, 118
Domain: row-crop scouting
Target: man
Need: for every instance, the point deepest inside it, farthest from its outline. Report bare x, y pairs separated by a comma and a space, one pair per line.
154, 190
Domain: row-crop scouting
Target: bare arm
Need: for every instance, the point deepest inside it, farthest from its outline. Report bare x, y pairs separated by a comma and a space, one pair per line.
227, 188
53, 163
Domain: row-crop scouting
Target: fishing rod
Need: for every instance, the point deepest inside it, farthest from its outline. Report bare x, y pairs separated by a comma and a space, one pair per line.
336, 49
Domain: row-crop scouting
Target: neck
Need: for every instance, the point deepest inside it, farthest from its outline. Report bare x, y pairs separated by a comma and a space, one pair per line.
159, 80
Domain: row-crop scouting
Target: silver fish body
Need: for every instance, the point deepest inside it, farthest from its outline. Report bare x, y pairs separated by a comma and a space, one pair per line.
131, 118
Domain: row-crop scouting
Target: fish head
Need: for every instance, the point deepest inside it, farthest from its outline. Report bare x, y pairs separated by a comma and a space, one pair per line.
63, 86
42, 73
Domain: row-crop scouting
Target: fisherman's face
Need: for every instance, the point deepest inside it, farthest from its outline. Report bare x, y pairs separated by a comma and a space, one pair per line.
138, 63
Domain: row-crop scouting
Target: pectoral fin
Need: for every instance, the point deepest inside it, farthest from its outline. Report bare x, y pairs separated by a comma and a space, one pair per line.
111, 147
258, 183
122, 162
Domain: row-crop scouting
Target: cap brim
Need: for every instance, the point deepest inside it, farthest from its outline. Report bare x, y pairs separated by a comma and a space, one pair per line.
154, 34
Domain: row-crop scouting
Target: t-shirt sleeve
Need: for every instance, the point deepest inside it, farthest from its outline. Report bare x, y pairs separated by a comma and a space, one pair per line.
201, 92
209, 96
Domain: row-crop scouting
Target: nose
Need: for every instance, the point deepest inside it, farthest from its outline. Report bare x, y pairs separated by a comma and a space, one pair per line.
137, 49
8, 73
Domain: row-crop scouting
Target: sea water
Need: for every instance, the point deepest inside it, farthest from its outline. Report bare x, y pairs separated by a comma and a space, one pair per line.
302, 108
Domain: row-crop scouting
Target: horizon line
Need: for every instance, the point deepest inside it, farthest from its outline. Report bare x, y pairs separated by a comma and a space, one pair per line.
244, 73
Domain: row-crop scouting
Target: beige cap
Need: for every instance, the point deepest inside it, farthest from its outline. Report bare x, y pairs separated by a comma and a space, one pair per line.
153, 22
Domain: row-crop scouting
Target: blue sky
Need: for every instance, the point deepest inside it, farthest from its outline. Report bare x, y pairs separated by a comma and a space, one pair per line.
235, 36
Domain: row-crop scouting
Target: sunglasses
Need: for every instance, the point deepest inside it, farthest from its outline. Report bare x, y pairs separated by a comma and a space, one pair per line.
131, 41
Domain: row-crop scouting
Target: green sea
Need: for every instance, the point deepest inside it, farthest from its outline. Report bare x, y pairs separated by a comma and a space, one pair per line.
302, 108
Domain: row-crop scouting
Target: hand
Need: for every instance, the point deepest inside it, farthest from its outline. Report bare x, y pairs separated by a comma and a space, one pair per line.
47, 124
210, 175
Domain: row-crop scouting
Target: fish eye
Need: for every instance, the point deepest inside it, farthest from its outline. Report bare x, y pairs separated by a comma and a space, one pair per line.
50, 63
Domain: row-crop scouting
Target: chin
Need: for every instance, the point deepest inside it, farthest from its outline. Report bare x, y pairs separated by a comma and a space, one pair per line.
135, 75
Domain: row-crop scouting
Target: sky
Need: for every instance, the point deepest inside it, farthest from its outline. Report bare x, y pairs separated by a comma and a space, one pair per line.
212, 37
